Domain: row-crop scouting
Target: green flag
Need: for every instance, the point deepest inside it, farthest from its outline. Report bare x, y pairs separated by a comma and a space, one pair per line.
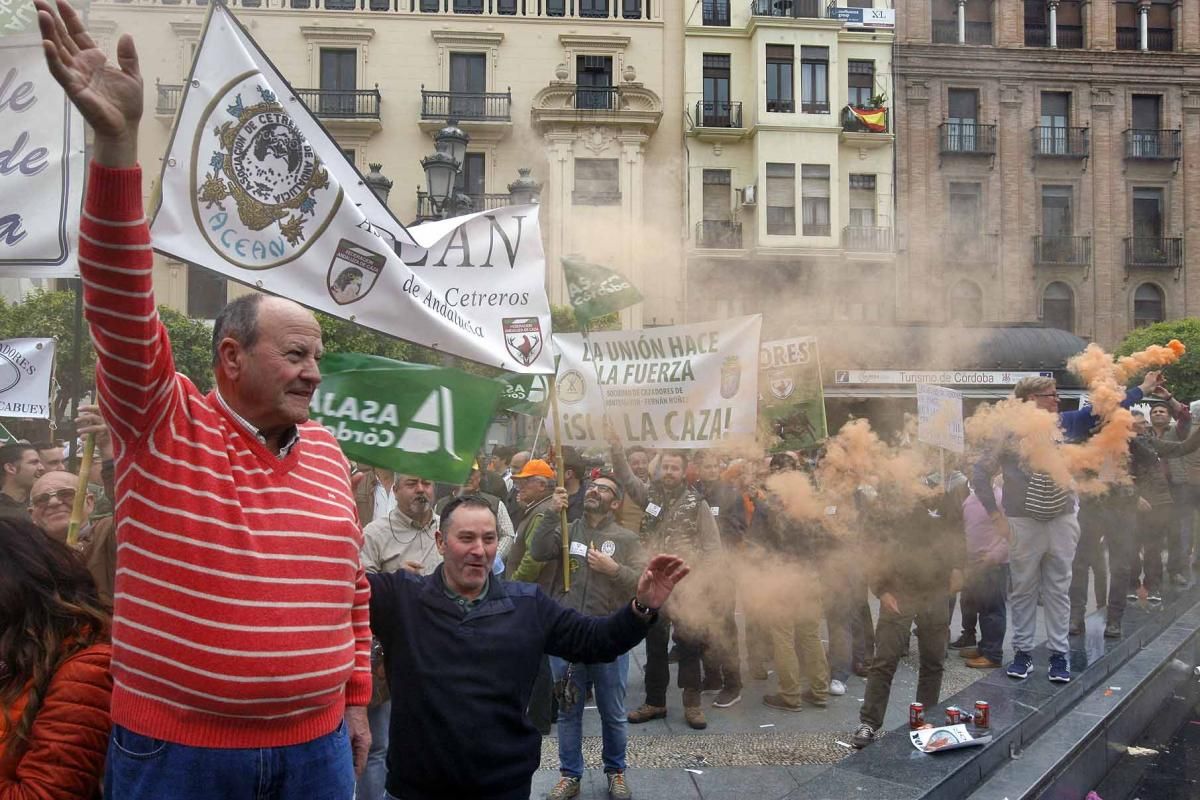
596, 290
410, 418
6, 435
524, 394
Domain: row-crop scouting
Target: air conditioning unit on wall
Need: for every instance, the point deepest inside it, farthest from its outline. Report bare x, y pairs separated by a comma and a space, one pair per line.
750, 195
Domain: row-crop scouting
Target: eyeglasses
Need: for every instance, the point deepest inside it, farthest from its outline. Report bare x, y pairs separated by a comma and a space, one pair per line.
1050, 394
64, 496
602, 487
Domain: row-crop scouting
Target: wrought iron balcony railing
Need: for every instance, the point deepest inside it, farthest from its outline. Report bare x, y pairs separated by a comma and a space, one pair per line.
1153, 145
1052, 141
1154, 251
1158, 39
342, 103
477, 106
861, 239
967, 138
479, 202
1062, 250
945, 31
596, 98
169, 97
719, 234
718, 114
796, 9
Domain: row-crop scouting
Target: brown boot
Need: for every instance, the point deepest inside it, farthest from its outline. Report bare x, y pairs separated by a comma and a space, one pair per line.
693, 714
982, 662
647, 712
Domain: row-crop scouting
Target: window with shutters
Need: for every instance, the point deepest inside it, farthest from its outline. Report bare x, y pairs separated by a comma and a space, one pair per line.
717, 197
781, 199
1058, 307
339, 79
1057, 215
1148, 305
860, 81
814, 80
594, 82
814, 190
715, 112
781, 97
597, 182
862, 201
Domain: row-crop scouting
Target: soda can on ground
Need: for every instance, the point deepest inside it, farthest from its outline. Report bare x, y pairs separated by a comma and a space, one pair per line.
953, 715
916, 715
982, 714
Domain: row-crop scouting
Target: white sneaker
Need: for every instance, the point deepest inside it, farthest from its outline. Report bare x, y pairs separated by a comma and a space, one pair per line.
837, 688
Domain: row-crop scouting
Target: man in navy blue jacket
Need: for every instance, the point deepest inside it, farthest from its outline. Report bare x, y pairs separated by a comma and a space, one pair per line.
462, 649
1039, 520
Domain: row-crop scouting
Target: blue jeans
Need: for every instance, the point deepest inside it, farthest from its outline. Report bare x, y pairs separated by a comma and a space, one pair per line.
986, 591
142, 767
374, 778
609, 683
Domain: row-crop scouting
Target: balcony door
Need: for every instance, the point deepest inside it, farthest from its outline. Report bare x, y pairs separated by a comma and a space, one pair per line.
1147, 119
1058, 224
594, 82
468, 83
472, 180
715, 111
717, 229
966, 212
339, 79
962, 119
1056, 119
1148, 213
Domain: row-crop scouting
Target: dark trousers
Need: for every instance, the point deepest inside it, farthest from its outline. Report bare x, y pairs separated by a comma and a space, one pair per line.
1115, 521
986, 593
931, 613
1154, 529
541, 702
1179, 545
721, 655
1094, 526
658, 670
970, 614
845, 597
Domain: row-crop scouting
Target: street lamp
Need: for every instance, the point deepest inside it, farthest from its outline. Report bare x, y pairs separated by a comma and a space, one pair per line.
524, 190
379, 184
442, 169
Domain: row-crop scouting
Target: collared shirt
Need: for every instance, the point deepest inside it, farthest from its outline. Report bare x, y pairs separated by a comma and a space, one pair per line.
390, 542
385, 501
286, 442
464, 603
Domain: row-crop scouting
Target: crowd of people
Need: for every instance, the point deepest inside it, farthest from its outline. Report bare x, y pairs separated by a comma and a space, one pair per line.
247, 614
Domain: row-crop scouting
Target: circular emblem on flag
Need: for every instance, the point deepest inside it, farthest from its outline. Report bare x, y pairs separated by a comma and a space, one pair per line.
10, 373
571, 387
260, 194
608, 548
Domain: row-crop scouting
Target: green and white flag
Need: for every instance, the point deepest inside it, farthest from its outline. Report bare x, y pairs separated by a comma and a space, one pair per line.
525, 394
254, 187
6, 436
596, 290
790, 396
410, 418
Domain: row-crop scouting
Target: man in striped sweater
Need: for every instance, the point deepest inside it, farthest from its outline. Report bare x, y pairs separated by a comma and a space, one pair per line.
241, 640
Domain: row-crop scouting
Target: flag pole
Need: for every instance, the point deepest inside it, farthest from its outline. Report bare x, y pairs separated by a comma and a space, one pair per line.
85, 466
560, 470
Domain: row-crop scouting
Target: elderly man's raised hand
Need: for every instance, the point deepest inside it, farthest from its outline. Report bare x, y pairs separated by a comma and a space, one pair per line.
108, 96
659, 579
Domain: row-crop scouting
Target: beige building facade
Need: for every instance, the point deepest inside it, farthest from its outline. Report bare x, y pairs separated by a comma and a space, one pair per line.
573, 90
1048, 169
789, 198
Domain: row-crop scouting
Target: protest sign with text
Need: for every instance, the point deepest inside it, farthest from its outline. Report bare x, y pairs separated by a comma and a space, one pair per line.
688, 386
41, 156
26, 372
940, 417
790, 397
410, 418
254, 187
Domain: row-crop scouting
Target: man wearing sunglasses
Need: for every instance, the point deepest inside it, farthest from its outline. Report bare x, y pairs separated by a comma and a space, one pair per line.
51, 500
605, 563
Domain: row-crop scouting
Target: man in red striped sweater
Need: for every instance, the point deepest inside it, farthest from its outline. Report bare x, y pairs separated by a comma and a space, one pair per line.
241, 640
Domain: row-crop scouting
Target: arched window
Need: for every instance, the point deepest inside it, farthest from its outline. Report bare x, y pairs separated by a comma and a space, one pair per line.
1058, 306
1148, 305
966, 303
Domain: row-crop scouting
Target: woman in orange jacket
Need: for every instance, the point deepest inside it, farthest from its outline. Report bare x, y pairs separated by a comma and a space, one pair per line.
54, 679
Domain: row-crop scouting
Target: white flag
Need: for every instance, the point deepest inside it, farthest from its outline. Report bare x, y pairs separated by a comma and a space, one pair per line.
41, 158
253, 187
26, 367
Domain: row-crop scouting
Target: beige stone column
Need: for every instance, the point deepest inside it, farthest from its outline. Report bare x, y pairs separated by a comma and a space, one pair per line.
632, 215
1109, 299
560, 181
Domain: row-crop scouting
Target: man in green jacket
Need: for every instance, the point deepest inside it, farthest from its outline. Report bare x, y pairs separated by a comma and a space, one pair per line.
605, 562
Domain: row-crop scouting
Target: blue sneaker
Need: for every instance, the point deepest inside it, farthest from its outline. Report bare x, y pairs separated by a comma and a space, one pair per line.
1021, 666
1060, 670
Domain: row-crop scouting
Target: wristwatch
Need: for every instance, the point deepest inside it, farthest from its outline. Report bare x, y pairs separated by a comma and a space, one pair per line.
642, 610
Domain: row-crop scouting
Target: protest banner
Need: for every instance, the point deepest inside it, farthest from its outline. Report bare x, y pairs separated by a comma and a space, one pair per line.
525, 394
41, 156
688, 386
410, 418
254, 188
26, 371
791, 400
940, 417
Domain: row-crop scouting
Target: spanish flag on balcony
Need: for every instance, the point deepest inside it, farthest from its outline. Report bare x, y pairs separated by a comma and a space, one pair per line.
874, 118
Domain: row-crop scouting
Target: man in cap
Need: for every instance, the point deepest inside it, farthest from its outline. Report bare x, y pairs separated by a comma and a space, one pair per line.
605, 562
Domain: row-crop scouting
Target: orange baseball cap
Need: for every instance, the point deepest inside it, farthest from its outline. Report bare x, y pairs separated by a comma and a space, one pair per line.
535, 468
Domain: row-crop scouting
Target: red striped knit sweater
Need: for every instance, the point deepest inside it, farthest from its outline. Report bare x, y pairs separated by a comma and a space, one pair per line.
241, 606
